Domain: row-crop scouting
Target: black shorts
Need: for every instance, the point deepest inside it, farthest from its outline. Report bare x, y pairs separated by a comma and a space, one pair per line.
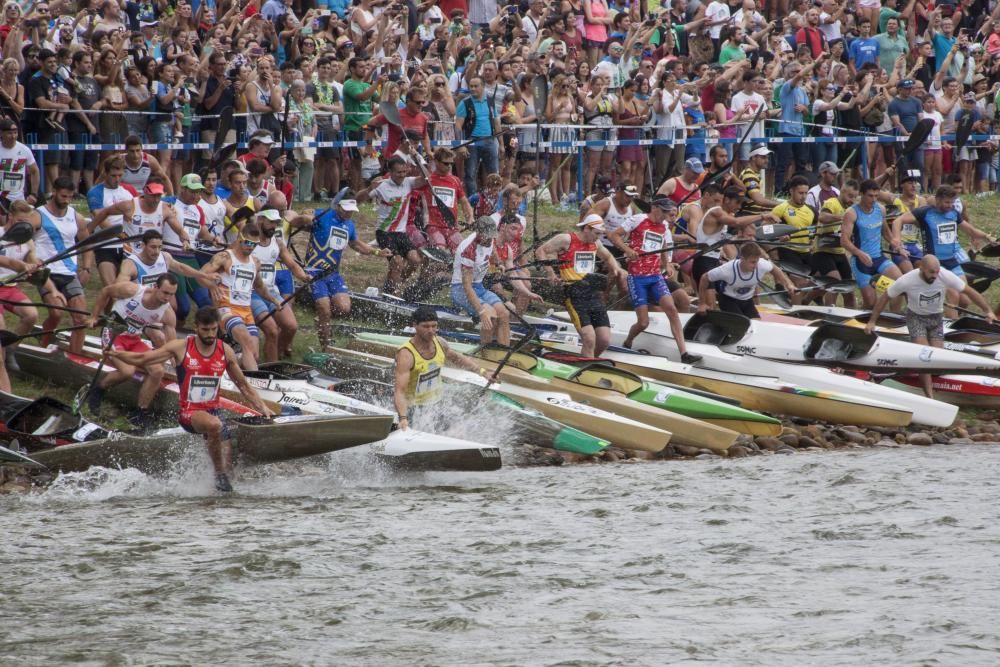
397, 242
589, 311
792, 257
68, 286
824, 263
743, 307
109, 256
702, 265
355, 153
328, 153
674, 286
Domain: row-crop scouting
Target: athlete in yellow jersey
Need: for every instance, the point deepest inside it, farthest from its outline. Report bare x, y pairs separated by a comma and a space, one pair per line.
419, 363
829, 257
795, 212
907, 200
753, 183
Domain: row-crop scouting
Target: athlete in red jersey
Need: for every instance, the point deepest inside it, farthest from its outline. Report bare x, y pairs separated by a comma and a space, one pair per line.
201, 361
442, 189
687, 186
647, 249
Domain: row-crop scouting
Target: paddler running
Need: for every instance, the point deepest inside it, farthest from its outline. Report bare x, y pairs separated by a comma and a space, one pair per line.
861, 233
736, 282
830, 259
925, 288
137, 307
201, 360
646, 251
578, 253
418, 366
796, 213
909, 199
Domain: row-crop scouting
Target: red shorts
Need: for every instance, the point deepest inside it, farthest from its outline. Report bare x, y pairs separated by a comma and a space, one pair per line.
128, 342
10, 293
437, 237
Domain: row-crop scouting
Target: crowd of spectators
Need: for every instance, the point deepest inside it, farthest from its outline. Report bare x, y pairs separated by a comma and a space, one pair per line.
692, 72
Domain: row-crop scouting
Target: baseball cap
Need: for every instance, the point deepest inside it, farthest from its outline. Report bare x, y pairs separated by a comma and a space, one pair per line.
830, 167
630, 190
348, 204
272, 214
593, 220
761, 152
695, 165
484, 227
906, 83
665, 203
148, 24
191, 181
264, 138
153, 189
911, 175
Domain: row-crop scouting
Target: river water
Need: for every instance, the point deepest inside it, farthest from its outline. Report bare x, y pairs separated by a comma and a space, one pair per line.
886, 555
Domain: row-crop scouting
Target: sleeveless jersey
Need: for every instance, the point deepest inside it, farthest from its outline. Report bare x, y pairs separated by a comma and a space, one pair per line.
867, 234
141, 221
137, 177
135, 315
680, 192
191, 218
644, 235
720, 234
57, 233
734, 283
18, 251
578, 261
330, 237
234, 230
199, 378
424, 386
828, 242
752, 182
614, 219
147, 274
237, 283
268, 258
215, 220
909, 233
101, 196
939, 232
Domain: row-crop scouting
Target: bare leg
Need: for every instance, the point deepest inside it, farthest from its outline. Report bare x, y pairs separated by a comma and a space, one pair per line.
602, 338
220, 451
668, 307
588, 341
641, 323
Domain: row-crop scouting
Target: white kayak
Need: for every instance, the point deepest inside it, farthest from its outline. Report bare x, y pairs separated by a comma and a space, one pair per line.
925, 411
417, 451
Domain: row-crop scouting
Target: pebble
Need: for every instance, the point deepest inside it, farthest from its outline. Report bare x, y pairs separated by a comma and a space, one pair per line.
790, 439
920, 440
768, 443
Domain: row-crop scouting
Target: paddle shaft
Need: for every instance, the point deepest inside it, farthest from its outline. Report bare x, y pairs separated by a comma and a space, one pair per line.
287, 299
513, 349
80, 398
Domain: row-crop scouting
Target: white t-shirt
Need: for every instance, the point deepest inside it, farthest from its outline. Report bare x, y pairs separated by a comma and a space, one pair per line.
471, 255
934, 138
738, 285
830, 30
14, 163
923, 298
671, 121
717, 11
753, 101
392, 204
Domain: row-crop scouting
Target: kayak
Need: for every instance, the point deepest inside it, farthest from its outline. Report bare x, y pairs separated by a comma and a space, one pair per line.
964, 391
592, 391
408, 450
923, 410
601, 376
48, 431
527, 425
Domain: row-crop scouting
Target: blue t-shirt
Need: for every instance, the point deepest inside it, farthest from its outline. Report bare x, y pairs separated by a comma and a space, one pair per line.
330, 236
483, 127
863, 51
939, 231
791, 120
942, 45
908, 111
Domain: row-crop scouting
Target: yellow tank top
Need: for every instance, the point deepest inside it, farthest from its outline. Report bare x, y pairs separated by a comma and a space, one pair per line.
797, 216
425, 376
909, 233
828, 241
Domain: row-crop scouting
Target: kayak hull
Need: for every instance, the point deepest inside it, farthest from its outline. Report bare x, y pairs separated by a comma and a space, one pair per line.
415, 451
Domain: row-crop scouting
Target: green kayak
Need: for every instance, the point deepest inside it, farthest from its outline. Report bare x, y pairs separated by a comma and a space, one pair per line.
529, 425
607, 379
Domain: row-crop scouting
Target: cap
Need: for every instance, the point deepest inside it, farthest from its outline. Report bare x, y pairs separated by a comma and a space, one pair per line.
148, 24
695, 165
593, 221
906, 83
262, 138
192, 182
272, 214
153, 189
484, 227
830, 167
628, 189
911, 175
761, 152
348, 204
603, 184
665, 203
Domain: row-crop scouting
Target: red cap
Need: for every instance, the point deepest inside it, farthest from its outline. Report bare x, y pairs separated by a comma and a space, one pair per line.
153, 189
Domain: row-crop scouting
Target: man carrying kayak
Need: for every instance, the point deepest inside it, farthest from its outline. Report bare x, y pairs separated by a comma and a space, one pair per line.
137, 307
861, 233
578, 253
736, 282
925, 288
647, 250
418, 382
201, 360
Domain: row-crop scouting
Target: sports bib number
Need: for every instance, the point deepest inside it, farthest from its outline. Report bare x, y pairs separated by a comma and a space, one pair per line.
584, 262
11, 181
947, 233
338, 238
243, 281
883, 283
446, 195
134, 326
203, 389
149, 279
909, 230
427, 383
191, 227
267, 274
651, 241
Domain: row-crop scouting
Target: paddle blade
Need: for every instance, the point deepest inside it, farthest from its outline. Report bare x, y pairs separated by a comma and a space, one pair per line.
540, 90
391, 113
241, 214
39, 277
963, 131
642, 205
340, 195
103, 235
437, 255
992, 250
19, 232
920, 133
225, 125
10, 456
774, 232
8, 338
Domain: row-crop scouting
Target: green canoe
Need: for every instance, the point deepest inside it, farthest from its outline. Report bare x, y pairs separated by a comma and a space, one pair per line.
530, 426
605, 378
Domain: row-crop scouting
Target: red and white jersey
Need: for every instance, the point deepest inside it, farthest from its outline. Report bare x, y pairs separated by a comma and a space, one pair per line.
392, 204
471, 255
14, 163
137, 177
449, 191
512, 248
644, 235
199, 378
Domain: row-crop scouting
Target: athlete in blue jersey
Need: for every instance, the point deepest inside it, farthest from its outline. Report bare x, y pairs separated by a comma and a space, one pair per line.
861, 236
332, 232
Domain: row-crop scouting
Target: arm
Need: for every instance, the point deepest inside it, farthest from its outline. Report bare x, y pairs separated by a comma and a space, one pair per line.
172, 350
404, 364
114, 291
780, 277
486, 314
156, 169
458, 359
706, 296
880, 304
240, 380
846, 231
980, 302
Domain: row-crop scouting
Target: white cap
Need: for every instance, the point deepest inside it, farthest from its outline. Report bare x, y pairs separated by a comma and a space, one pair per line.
348, 204
762, 151
593, 220
271, 214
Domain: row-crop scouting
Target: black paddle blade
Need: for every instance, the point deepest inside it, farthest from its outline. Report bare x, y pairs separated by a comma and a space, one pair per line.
103, 235
39, 277
540, 90
223, 154
225, 124
8, 338
241, 214
920, 133
963, 131
340, 195
992, 250
642, 205
391, 113
19, 232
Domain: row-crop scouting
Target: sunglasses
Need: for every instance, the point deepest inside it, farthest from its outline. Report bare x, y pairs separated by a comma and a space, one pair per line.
249, 242
267, 234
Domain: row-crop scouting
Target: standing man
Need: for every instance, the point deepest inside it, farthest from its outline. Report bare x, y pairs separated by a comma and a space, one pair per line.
108, 192
443, 191
829, 174
359, 95
472, 261
394, 200
647, 251
861, 234
411, 118
145, 212
796, 213
57, 227
578, 253
925, 288
905, 111
830, 258
794, 105
18, 171
200, 361
752, 182
475, 119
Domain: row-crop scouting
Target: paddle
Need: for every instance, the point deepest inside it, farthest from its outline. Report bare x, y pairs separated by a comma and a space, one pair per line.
38, 304
18, 233
920, 132
973, 313
527, 338
540, 95
11, 456
100, 237
8, 338
963, 131
221, 151
107, 340
320, 276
